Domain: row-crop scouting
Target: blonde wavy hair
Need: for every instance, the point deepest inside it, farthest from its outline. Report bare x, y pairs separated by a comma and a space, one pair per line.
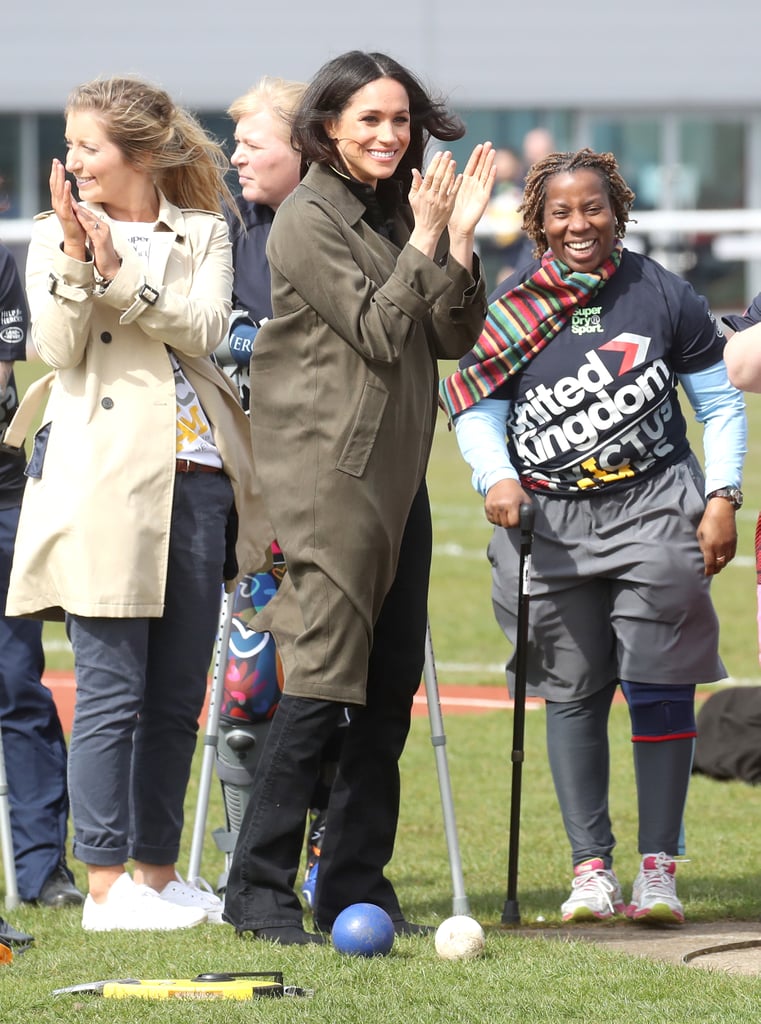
275, 94
187, 164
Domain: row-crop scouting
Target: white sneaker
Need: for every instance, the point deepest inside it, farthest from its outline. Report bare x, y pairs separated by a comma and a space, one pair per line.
136, 908
197, 893
595, 893
654, 898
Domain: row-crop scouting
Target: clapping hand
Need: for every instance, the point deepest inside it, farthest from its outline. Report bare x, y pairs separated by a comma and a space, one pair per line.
82, 230
432, 200
62, 201
443, 198
476, 184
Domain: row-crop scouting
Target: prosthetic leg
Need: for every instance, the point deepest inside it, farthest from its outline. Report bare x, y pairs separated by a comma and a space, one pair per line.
246, 688
238, 751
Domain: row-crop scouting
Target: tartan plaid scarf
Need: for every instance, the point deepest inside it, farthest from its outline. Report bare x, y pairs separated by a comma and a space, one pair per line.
519, 324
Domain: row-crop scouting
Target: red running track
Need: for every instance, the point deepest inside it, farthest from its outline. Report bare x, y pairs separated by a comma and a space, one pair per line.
453, 700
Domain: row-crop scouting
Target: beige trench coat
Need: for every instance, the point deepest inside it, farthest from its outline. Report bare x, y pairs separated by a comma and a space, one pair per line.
343, 405
94, 531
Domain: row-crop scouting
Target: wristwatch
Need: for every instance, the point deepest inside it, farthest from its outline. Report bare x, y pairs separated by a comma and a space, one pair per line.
101, 284
732, 494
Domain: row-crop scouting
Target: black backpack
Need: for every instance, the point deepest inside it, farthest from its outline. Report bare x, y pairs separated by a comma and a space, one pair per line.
729, 735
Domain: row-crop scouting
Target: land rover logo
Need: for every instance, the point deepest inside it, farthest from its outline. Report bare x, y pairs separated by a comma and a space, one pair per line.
11, 334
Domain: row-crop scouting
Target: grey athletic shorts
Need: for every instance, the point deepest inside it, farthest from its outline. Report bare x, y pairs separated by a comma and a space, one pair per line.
617, 589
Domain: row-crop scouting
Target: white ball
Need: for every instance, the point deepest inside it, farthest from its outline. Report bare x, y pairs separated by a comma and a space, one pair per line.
459, 938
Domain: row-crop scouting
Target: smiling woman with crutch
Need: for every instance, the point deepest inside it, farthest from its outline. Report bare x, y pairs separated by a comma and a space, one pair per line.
569, 401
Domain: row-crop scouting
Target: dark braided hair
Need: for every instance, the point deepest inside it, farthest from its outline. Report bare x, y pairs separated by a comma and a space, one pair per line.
535, 192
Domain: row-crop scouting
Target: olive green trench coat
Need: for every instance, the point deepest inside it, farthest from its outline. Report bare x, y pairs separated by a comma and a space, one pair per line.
344, 400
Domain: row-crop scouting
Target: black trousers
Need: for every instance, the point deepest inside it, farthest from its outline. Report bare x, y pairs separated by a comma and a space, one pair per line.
363, 808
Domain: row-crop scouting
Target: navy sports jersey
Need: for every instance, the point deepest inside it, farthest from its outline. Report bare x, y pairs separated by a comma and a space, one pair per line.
751, 316
251, 284
14, 323
598, 406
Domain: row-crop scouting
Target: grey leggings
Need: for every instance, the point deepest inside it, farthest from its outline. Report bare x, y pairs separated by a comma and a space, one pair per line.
579, 755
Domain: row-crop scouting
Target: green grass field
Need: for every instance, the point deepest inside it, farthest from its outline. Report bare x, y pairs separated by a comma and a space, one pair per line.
519, 979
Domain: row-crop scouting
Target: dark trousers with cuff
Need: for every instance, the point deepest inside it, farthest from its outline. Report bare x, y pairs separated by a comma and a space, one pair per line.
363, 808
141, 684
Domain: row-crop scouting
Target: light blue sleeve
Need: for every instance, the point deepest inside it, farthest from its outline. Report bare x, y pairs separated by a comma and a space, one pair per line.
720, 407
481, 437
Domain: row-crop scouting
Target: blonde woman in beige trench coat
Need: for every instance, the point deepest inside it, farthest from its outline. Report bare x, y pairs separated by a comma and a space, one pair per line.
373, 280
138, 478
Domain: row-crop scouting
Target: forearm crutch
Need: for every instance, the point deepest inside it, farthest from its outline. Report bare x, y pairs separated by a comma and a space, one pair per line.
439, 740
211, 737
6, 837
511, 911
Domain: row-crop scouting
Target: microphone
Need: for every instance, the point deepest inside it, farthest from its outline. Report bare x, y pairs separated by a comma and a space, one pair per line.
237, 347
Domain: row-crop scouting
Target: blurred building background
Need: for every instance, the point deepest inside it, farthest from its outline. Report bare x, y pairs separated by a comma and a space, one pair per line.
673, 89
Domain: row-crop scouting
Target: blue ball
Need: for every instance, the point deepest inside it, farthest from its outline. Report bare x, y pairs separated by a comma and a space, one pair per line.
363, 930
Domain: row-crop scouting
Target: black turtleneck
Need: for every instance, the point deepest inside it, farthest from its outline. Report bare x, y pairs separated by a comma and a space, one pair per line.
381, 203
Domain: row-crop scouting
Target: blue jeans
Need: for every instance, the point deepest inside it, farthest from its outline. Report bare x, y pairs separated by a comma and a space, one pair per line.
33, 742
141, 684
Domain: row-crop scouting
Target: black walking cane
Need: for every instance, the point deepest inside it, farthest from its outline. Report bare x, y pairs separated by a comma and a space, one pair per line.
511, 913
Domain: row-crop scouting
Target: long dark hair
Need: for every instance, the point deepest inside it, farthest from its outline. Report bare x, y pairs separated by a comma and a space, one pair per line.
330, 92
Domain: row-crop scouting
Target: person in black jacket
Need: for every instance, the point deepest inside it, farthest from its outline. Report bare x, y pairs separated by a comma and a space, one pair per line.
268, 171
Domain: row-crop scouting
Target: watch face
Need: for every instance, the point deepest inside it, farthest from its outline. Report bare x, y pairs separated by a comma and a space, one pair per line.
732, 494
735, 495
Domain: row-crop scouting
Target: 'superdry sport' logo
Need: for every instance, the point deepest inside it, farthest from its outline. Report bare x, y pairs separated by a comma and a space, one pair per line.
591, 428
587, 320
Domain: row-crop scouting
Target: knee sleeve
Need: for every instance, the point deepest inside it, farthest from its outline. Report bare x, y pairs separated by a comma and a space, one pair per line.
660, 713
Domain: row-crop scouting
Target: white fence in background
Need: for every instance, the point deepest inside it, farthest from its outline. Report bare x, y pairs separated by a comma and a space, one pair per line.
734, 234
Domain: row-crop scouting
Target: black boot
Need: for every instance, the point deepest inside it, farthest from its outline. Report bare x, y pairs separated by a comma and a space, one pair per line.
11, 937
59, 889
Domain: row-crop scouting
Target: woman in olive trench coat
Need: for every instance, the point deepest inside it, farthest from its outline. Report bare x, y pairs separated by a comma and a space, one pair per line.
344, 399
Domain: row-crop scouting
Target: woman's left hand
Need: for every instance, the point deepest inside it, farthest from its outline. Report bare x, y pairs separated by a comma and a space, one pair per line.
475, 191
101, 244
717, 535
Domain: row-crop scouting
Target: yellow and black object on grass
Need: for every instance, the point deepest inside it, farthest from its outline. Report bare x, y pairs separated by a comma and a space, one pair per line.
225, 985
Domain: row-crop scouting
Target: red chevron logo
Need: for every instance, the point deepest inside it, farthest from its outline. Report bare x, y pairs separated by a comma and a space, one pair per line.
634, 348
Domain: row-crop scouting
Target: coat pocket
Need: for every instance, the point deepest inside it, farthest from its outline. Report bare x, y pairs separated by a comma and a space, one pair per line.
359, 446
34, 466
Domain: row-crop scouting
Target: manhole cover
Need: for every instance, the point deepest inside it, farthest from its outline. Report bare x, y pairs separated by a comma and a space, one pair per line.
731, 957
